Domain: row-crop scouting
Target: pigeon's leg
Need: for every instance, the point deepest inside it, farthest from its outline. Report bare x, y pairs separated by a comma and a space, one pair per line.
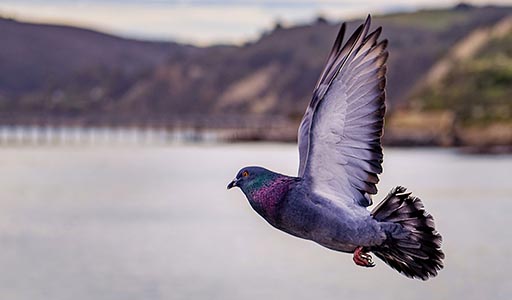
362, 258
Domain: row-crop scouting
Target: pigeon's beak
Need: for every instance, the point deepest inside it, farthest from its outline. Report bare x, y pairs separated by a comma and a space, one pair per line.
233, 183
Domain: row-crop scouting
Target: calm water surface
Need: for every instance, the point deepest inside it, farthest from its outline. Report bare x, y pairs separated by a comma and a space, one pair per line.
158, 223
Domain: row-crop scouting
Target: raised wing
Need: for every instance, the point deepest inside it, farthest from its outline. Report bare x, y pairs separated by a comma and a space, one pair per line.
339, 137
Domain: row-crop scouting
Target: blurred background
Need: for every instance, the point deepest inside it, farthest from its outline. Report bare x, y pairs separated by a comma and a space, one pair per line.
121, 123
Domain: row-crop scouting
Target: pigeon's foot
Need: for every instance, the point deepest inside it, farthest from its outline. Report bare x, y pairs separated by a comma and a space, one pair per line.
362, 258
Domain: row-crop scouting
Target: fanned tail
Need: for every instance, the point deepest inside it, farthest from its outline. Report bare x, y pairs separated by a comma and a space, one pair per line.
413, 247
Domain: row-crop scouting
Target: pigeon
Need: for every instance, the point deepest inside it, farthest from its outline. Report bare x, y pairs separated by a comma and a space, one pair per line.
339, 141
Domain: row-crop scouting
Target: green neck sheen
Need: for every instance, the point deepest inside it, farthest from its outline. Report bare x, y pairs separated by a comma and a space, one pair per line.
259, 182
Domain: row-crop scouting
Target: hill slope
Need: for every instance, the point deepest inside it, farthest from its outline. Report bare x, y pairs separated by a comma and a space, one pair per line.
276, 74
51, 72
50, 69
477, 91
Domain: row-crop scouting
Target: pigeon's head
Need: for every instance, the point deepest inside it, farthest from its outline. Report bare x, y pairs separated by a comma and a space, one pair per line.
250, 178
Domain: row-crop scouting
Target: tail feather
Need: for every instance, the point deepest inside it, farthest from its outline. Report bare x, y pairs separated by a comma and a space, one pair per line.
413, 248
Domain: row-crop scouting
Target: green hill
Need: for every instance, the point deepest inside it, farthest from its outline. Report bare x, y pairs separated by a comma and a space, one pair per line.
477, 90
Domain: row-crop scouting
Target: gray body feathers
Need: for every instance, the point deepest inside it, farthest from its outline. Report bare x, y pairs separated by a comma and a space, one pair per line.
307, 215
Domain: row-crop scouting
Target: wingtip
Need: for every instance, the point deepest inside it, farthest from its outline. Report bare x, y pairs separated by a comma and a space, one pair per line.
339, 38
384, 43
367, 24
343, 28
368, 19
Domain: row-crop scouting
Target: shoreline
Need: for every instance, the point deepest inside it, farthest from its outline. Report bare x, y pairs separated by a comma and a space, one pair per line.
108, 135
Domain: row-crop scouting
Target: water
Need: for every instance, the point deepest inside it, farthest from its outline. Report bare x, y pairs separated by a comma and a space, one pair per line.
158, 223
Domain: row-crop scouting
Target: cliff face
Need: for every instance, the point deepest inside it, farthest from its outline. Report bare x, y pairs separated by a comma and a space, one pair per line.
84, 76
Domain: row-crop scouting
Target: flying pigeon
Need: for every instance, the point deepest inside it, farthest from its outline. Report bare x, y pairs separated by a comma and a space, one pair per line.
340, 158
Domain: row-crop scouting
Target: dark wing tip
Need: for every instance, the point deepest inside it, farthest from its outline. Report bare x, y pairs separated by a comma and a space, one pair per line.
368, 21
341, 34
339, 40
384, 43
377, 31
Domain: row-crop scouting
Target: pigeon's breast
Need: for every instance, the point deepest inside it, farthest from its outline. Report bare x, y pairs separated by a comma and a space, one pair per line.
268, 199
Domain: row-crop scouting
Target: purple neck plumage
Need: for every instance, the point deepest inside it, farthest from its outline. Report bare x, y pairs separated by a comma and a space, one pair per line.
267, 197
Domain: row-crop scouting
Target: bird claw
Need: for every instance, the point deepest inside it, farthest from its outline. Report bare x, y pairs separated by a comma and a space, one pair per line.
362, 258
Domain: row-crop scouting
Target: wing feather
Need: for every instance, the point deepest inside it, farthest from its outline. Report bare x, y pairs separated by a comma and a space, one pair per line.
336, 58
340, 133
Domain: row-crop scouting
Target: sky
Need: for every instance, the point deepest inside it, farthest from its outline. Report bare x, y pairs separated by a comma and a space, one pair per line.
202, 22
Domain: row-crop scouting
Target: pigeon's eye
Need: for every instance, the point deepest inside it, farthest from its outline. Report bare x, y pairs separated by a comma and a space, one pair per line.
245, 174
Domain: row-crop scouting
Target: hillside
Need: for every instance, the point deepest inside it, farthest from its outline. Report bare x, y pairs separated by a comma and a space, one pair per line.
52, 69
276, 74
476, 91
62, 74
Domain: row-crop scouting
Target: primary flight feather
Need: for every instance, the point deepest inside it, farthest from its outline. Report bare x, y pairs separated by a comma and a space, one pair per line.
340, 159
